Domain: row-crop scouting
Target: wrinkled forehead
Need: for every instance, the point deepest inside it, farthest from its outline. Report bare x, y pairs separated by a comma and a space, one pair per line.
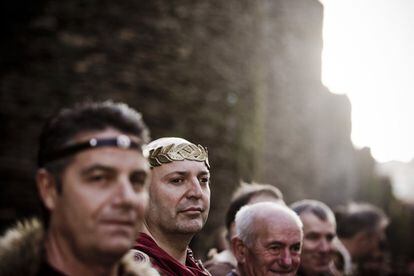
283, 235
185, 167
278, 226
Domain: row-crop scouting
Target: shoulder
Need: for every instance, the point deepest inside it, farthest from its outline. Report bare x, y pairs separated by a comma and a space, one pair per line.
136, 262
233, 273
218, 268
21, 248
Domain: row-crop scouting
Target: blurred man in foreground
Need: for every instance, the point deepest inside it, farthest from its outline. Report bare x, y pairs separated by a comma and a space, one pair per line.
179, 204
92, 183
268, 240
319, 231
222, 263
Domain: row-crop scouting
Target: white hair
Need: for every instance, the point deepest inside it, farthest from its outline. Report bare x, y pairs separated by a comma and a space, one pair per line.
246, 218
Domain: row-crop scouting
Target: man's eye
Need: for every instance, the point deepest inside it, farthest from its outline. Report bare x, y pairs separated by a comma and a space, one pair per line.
97, 178
177, 180
330, 237
275, 247
312, 236
138, 179
204, 180
295, 248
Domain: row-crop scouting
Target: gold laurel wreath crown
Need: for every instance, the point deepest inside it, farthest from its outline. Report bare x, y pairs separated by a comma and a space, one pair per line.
184, 151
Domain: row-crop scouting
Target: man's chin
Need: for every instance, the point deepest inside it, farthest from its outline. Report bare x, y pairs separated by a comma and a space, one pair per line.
116, 246
193, 226
282, 273
113, 231
320, 270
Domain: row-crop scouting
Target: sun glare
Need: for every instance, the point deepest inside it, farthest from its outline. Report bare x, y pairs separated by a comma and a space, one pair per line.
368, 55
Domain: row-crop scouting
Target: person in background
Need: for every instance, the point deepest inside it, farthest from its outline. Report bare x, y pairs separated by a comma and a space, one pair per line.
179, 193
268, 240
222, 263
91, 180
361, 229
319, 233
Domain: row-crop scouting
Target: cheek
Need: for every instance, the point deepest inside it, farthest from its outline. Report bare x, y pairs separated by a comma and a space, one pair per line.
296, 261
309, 246
142, 204
75, 212
163, 198
267, 260
206, 196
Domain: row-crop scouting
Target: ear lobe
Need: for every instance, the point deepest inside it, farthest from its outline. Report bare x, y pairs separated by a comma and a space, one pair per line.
46, 186
239, 249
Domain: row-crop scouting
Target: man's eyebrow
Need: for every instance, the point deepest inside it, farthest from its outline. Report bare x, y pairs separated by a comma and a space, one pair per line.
97, 167
279, 243
204, 173
313, 233
178, 172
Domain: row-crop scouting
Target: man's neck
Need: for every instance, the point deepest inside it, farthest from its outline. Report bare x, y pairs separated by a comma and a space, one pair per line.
60, 256
174, 244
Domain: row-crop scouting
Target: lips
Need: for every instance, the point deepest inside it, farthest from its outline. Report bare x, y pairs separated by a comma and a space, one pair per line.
278, 271
192, 210
323, 259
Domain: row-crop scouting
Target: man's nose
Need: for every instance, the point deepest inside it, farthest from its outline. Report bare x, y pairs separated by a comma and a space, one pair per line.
194, 189
125, 192
285, 260
324, 245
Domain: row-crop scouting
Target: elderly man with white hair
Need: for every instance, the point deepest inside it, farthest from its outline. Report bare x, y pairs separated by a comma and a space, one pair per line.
268, 241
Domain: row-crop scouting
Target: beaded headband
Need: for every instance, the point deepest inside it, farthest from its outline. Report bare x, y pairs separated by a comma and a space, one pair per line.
183, 151
121, 141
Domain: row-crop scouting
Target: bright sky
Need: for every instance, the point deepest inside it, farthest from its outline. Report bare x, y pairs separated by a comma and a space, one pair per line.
369, 55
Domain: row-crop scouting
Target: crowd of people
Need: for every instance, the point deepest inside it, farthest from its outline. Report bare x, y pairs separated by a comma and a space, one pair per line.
116, 203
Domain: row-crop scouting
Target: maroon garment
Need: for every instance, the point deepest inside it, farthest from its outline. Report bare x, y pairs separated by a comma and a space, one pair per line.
167, 265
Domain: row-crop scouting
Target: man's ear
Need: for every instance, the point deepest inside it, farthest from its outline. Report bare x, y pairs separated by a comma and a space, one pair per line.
46, 187
239, 249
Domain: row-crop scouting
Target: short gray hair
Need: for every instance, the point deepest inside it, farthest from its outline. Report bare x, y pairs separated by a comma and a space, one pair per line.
356, 217
247, 216
315, 207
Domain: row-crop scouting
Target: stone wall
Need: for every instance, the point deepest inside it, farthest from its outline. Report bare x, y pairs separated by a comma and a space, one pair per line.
241, 77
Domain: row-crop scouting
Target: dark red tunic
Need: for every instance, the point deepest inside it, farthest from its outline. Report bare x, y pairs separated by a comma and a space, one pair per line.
167, 265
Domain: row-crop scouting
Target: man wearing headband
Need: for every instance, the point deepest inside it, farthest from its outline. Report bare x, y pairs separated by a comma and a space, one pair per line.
179, 203
92, 184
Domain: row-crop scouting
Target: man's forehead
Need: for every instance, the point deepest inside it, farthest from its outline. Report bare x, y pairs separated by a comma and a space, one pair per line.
311, 222
284, 236
88, 141
272, 228
106, 133
181, 167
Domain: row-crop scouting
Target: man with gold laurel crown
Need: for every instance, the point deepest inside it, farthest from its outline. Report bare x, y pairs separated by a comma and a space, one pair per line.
179, 203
